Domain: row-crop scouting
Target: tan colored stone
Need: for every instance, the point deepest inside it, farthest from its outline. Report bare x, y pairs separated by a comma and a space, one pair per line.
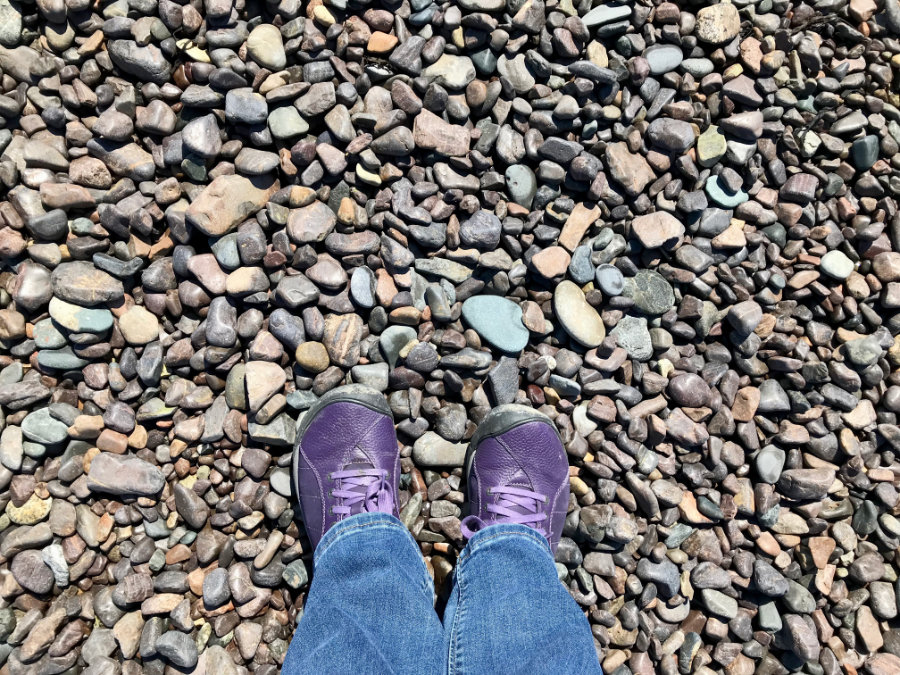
883, 664
33, 511
886, 266
551, 262
577, 225
658, 229
628, 169
732, 237
745, 404
139, 326
312, 356
225, 203
381, 43
86, 427
868, 629
342, 335
263, 379
821, 549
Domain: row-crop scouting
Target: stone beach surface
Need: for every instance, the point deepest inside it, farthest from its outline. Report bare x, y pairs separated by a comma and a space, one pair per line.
671, 226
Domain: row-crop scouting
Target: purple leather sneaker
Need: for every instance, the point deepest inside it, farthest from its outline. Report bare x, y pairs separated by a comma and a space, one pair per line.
517, 472
346, 460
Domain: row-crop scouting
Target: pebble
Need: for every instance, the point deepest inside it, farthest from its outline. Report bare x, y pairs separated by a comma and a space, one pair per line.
632, 335
579, 319
657, 230
837, 265
650, 292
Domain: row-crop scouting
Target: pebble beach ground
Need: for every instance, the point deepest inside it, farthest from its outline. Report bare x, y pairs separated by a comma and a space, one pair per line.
671, 226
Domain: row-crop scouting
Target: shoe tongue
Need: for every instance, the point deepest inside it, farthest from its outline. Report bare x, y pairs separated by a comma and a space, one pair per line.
519, 479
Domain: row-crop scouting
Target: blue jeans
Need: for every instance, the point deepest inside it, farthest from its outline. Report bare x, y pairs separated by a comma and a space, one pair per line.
370, 608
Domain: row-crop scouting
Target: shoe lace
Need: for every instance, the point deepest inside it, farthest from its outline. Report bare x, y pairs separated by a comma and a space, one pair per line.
513, 505
360, 489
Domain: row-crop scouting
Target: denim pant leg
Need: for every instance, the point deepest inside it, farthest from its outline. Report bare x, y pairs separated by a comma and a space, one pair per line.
508, 612
370, 607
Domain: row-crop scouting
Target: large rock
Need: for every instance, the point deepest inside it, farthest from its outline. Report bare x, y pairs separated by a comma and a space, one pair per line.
430, 132
124, 475
659, 229
225, 203
83, 284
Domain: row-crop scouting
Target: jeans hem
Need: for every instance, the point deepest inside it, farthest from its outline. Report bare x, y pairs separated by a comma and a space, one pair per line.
353, 524
513, 530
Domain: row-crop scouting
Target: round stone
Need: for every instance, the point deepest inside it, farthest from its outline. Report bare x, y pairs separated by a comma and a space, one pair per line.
610, 280
312, 356
837, 265
139, 326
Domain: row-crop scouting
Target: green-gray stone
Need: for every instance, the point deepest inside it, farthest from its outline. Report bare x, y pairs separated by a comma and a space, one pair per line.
632, 335
836, 265
281, 431
157, 560
80, 319
41, 427
235, 392
651, 293
295, 575
864, 152
799, 599
768, 617
46, 336
663, 58
154, 409
720, 604
497, 320
521, 184
441, 267
226, 251
61, 359
286, 123
711, 146
392, 340
721, 196
12, 373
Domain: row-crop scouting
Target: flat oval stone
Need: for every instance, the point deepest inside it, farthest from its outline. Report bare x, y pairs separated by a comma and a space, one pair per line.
606, 14
663, 58
497, 320
61, 359
41, 427
580, 320
80, 319
46, 336
836, 265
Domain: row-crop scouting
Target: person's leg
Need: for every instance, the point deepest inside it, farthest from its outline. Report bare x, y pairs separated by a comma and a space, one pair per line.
508, 612
370, 607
